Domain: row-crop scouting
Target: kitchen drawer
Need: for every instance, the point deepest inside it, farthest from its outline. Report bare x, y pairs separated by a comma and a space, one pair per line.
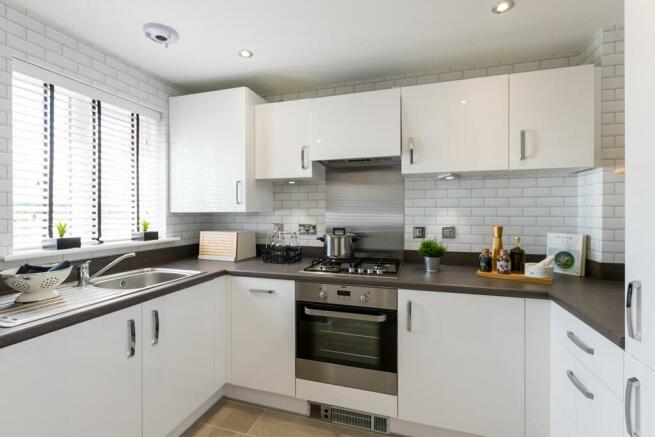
597, 415
598, 354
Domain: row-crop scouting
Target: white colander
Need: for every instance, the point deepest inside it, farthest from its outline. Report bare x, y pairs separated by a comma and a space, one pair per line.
35, 286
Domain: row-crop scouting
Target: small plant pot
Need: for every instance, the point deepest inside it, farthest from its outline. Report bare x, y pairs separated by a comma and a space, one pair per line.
432, 264
145, 236
61, 243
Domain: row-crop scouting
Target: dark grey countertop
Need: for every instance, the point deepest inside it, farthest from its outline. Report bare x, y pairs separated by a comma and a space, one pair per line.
597, 303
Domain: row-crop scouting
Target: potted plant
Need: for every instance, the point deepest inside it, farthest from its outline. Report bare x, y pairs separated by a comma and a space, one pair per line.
431, 251
62, 242
145, 234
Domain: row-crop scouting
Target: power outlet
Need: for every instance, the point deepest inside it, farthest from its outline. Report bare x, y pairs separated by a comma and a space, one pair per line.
418, 232
306, 229
449, 232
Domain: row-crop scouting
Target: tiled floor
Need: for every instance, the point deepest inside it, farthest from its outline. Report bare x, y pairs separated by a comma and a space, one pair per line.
230, 418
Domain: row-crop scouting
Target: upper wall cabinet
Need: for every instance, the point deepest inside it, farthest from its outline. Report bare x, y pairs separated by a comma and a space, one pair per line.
212, 153
283, 141
455, 126
360, 125
552, 116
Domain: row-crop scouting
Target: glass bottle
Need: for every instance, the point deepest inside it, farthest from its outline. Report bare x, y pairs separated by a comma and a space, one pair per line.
486, 262
517, 256
504, 263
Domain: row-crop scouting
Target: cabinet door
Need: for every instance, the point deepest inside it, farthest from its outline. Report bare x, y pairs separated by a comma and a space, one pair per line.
455, 126
263, 334
552, 118
207, 151
461, 362
282, 140
79, 381
639, 399
360, 125
639, 187
178, 359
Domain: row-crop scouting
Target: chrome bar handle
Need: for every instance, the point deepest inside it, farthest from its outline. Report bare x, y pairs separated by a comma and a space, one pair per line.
302, 158
631, 385
155, 327
633, 295
410, 144
409, 315
131, 338
347, 316
579, 343
261, 291
522, 157
579, 385
236, 194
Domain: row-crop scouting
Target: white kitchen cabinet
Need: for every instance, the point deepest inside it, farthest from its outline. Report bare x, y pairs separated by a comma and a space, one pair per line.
552, 118
455, 126
639, 401
283, 141
178, 355
221, 331
82, 380
580, 402
639, 187
263, 334
461, 362
212, 153
360, 125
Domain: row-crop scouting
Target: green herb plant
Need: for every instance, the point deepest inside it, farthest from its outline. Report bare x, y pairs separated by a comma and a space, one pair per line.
62, 227
431, 248
145, 224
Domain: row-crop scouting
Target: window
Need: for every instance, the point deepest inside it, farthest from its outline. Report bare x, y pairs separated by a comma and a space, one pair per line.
96, 166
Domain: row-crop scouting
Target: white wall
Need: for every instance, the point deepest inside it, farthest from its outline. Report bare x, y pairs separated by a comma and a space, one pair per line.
25, 36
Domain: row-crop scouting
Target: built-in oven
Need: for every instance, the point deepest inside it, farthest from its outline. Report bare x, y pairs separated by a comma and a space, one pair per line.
347, 335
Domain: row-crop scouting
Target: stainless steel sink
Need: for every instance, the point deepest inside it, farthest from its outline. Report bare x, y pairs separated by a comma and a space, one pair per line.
141, 279
101, 289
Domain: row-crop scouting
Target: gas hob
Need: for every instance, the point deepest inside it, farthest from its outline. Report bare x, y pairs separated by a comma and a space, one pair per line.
375, 267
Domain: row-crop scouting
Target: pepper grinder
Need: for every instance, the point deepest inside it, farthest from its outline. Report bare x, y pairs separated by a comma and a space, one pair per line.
497, 244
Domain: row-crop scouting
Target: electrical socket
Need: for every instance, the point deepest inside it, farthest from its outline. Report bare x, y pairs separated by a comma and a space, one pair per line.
449, 232
418, 232
306, 229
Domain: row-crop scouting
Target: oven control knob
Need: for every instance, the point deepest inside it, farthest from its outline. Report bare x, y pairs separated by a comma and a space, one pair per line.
363, 298
360, 270
322, 295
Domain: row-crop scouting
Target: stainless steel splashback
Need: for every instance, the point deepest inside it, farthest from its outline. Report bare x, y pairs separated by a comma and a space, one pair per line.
367, 199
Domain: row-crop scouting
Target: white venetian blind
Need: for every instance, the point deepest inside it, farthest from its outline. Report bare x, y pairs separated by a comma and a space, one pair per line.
31, 160
75, 165
91, 164
118, 173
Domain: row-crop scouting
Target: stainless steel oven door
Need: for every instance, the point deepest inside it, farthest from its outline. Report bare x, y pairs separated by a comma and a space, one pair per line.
347, 345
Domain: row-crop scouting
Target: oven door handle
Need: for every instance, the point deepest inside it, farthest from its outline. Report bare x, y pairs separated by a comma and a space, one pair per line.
349, 316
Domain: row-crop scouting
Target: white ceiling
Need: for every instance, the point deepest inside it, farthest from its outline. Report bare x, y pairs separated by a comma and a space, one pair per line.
306, 43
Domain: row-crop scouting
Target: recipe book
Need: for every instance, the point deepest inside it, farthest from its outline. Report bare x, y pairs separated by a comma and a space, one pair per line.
570, 252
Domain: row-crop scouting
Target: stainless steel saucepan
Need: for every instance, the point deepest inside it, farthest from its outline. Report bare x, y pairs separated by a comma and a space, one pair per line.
339, 244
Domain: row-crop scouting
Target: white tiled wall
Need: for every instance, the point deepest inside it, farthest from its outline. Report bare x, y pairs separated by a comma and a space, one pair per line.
528, 204
25, 36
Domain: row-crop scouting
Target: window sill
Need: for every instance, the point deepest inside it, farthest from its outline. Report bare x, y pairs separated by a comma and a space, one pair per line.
96, 250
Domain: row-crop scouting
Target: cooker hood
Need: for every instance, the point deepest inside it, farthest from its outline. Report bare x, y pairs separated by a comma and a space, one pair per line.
362, 162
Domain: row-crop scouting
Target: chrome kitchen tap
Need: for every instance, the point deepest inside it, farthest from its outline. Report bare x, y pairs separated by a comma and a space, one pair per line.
85, 279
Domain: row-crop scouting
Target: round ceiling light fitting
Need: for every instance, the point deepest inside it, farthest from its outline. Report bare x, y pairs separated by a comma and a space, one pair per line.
245, 53
160, 33
502, 6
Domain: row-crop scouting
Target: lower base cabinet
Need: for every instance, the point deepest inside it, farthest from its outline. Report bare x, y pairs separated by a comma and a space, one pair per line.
263, 334
461, 362
80, 381
178, 355
639, 402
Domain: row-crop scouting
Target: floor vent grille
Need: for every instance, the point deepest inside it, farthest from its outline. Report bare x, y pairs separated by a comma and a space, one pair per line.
352, 418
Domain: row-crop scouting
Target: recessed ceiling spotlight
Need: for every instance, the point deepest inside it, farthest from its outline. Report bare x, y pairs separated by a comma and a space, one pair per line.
245, 53
160, 33
502, 6
291, 182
